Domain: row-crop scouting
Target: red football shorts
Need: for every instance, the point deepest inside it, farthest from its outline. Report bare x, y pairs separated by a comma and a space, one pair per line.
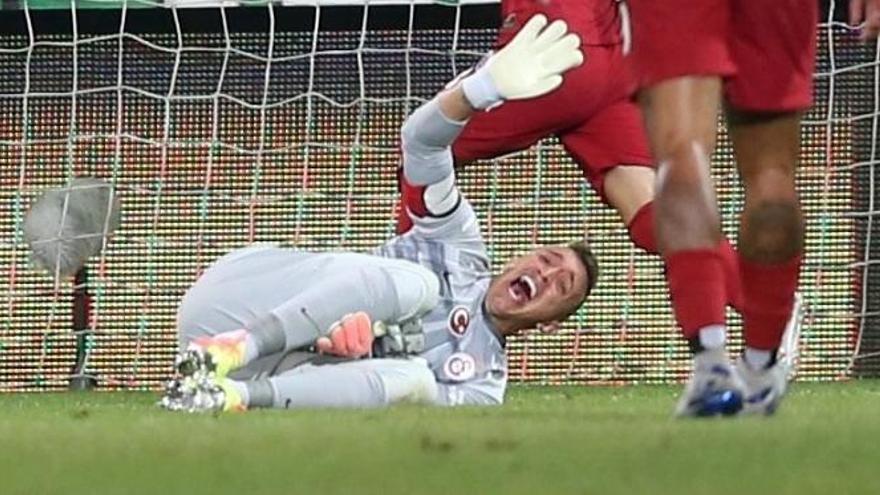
591, 113
765, 50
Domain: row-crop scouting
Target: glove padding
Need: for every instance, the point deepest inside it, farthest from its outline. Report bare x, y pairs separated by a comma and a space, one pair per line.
352, 336
529, 66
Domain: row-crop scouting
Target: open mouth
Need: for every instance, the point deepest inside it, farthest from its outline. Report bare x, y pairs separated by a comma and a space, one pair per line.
523, 289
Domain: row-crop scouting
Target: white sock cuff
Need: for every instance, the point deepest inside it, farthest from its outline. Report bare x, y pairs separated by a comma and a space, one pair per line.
251, 348
757, 359
713, 336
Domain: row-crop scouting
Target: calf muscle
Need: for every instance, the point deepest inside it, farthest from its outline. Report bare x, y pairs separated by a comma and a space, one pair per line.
771, 232
767, 146
680, 117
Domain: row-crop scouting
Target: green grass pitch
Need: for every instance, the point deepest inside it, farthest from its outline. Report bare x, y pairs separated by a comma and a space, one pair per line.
825, 440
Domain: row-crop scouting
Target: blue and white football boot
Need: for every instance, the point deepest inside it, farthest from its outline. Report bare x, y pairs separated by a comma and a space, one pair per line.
765, 388
714, 388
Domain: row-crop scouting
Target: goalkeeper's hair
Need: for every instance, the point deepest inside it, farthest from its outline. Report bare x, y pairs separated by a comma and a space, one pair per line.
591, 265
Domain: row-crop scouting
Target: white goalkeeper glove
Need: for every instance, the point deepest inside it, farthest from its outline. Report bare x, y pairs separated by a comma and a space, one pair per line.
530, 65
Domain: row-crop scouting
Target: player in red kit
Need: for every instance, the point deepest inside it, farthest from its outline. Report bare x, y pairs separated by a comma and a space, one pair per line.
592, 114
755, 58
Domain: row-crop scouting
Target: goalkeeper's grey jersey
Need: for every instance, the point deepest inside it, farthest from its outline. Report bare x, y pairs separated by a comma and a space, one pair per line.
463, 348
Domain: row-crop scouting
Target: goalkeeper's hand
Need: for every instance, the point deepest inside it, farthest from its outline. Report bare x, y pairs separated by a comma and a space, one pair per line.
352, 336
530, 65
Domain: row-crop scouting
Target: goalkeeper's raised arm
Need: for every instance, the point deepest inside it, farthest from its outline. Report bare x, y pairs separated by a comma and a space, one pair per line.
530, 65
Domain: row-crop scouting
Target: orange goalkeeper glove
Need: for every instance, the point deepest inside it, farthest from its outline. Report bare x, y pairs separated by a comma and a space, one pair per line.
352, 336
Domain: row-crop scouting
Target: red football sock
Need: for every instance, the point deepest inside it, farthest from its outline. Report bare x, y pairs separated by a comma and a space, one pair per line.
768, 291
696, 288
732, 271
404, 222
641, 231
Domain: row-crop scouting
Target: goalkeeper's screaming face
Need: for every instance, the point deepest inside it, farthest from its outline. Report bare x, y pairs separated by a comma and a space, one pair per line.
544, 286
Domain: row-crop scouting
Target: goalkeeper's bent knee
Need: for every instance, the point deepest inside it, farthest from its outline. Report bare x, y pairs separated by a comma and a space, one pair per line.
418, 289
411, 381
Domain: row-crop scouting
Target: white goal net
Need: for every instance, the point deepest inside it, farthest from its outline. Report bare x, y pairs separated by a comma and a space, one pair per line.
224, 124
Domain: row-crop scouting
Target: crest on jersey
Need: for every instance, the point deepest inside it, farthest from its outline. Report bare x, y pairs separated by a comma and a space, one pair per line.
459, 319
460, 367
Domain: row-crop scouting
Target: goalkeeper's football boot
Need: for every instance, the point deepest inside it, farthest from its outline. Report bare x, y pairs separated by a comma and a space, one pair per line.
175, 391
232, 399
179, 393
714, 388
764, 389
200, 396
219, 354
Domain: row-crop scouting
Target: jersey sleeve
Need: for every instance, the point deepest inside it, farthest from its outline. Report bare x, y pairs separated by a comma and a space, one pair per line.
429, 192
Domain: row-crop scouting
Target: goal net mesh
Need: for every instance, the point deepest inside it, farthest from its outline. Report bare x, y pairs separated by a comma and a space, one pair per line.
221, 126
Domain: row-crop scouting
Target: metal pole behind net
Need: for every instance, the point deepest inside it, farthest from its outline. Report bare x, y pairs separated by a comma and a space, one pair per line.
80, 379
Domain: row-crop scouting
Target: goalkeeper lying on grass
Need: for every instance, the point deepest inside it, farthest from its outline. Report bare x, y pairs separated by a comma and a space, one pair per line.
423, 308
